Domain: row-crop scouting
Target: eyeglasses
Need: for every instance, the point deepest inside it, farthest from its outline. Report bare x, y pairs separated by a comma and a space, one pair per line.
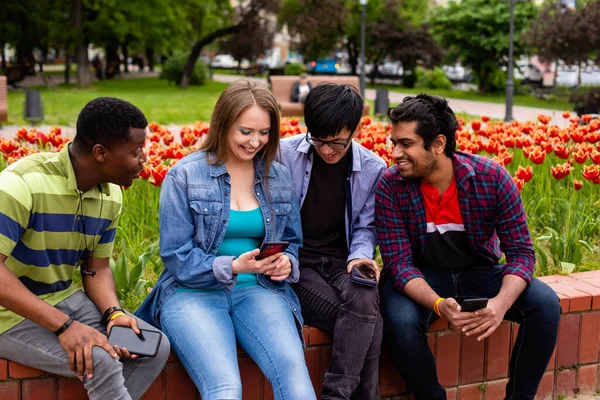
332, 144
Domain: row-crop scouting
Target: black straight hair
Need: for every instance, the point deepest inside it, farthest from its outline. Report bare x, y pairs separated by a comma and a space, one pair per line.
433, 116
330, 108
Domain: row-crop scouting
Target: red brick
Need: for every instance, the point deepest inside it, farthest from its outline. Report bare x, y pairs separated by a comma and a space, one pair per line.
470, 392
495, 390
555, 278
439, 325
565, 383
584, 287
552, 363
498, 353
34, 389
317, 336
10, 390
589, 338
3, 369
451, 393
172, 358
313, 362
305, 334
565, 303
579, 301
178, 384
472, 357
546, 387
585, 275
18, 371
568, 340
587, 378
446, 360
71, 389
156, 390
593, 281
431, 342
251, 378
390, 382
514, 332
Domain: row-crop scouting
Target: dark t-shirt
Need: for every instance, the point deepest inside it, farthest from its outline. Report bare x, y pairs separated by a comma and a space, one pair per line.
324, 208
447, 242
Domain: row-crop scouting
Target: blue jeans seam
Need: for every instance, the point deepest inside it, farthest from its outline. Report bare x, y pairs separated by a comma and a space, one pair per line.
264, 348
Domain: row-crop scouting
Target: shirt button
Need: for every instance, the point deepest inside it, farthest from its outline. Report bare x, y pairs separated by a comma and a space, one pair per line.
306, 172
226, 194
268, 220
78, 218
294, 309
205, 210
224, 221
257, 193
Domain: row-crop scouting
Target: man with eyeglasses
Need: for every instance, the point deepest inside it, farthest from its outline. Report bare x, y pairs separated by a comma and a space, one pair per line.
334, 179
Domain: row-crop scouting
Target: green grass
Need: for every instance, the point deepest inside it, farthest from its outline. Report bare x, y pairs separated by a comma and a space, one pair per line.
519, 100
160, 101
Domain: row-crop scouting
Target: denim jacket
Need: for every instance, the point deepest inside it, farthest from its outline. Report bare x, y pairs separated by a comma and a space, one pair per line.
297, 154
194, 210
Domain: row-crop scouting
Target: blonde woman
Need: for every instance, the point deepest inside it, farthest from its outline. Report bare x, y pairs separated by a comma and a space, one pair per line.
217, 207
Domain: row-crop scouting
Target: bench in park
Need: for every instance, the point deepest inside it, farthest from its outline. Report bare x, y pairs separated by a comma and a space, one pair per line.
3, 99
467, 368
282, 87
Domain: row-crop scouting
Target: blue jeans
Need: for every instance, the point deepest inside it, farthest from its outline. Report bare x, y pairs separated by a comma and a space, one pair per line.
537, 310
204, 327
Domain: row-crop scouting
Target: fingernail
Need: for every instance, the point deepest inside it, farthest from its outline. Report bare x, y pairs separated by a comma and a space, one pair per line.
90, 376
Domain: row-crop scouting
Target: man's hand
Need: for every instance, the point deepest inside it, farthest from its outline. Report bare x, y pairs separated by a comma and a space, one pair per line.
367, 262
450, 309
489, 319
124, 320
78, 341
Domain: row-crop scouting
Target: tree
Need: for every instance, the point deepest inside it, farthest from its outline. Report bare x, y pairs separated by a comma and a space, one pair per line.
565, 34
475, 32
253, 39
217, 19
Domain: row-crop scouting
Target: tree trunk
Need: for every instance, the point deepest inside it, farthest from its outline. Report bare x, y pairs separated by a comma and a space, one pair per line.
352, 54
125, 52
67, 68
84, 75
197, 48
150, 58
3, 56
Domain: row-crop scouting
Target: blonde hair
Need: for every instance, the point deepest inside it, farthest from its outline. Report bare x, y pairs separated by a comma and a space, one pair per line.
235, 99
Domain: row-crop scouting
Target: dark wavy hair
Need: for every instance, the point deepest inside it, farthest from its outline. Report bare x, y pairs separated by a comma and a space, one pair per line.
433, 117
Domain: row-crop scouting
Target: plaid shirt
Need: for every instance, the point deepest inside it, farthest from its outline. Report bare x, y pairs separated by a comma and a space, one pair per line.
492, 211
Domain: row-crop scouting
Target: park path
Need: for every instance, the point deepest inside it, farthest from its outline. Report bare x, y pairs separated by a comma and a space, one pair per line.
492, 110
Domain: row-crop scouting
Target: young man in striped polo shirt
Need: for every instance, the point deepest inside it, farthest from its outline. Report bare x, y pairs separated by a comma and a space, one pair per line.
59, 211
443, 220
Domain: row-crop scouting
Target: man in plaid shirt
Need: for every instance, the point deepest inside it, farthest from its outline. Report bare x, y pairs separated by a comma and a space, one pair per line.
443, 220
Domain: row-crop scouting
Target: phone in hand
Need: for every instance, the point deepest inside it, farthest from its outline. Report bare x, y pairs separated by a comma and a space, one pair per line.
470, 305
363, 275
146, 344
270, 248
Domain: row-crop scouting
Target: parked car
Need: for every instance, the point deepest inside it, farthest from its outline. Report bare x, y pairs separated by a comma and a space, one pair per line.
223, 61
458, 73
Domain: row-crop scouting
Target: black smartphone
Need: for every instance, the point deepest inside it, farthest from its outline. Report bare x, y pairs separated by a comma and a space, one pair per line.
363, 275
270, 248
144, 345
470, 305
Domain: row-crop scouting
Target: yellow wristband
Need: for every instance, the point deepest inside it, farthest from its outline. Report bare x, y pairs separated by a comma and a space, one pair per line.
436, 306
116, 315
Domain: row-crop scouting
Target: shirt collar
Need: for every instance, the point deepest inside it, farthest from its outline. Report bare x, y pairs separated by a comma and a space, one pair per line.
67, 167
219, 169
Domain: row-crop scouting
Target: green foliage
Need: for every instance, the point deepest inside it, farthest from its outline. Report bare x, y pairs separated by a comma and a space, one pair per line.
294, 69
432, 79
173, 68
491, 79
476, 32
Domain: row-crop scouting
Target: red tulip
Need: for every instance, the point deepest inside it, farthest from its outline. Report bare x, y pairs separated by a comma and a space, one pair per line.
577, 184
591, 172
524, 173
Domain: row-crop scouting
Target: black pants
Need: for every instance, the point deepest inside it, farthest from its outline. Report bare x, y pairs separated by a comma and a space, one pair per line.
350, 312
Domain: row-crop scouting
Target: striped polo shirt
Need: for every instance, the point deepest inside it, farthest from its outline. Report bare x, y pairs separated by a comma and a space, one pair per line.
48, 226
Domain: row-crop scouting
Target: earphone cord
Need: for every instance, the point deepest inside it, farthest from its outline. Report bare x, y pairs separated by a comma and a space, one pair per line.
89, 270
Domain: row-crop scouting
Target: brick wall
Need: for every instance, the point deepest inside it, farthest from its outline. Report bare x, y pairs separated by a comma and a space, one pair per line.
467, 368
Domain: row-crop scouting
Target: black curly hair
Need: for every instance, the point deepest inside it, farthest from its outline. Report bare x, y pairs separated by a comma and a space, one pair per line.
433, 116
107, 121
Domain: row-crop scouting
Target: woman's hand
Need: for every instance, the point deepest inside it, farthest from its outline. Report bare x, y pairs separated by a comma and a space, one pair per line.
281, 270
247, 263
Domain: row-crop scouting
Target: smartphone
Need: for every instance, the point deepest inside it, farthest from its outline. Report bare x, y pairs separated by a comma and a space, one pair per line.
270, 248
470, 305
125, 337
363, 275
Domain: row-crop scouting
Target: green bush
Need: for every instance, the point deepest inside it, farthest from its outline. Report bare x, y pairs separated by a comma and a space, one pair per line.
432, 79
173, 68
294, 69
